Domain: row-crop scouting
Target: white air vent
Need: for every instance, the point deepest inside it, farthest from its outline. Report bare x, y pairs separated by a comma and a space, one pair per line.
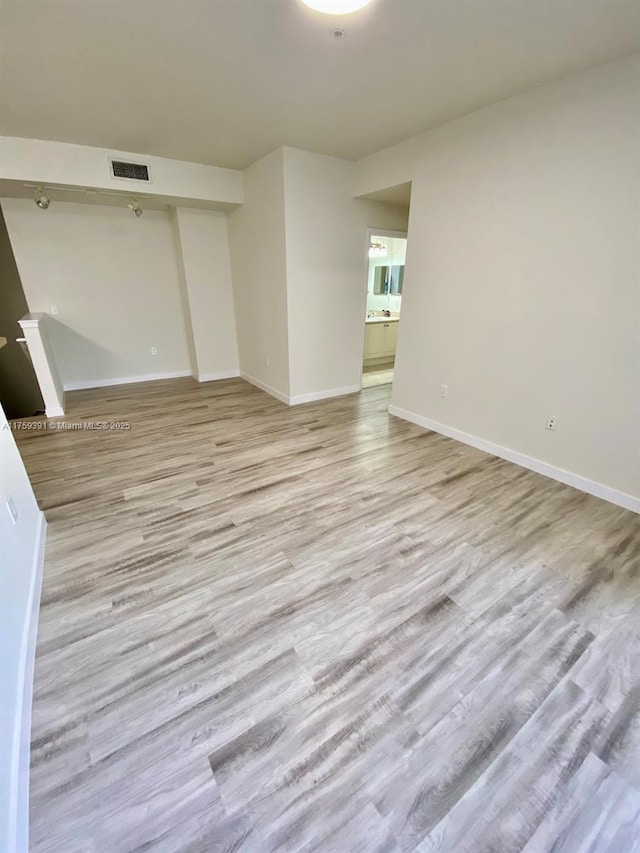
130, 171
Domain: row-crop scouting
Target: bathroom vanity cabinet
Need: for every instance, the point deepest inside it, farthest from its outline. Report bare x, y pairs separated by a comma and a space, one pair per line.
381, 336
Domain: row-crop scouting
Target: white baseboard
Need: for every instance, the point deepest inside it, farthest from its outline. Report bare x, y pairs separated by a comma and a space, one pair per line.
214, 377
298, 399
323, 395
584, 484
19, 807
123, 380
284, 398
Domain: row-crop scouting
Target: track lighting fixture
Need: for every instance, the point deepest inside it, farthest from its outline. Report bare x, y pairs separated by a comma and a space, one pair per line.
43, 201
135, 207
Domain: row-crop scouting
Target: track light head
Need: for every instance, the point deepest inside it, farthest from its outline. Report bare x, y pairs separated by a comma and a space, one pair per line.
135, 207
43, 201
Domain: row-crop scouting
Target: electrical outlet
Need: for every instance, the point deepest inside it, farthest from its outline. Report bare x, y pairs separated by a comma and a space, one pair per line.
154, 350
54, 310
552, 422
12, 510
444, 390
267, 361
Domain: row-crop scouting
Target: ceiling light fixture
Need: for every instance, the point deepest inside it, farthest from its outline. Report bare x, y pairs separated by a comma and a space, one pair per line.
336, 7
135, 207
43, 201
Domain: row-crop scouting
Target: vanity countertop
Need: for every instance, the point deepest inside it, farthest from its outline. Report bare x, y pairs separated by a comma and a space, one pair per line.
370, 320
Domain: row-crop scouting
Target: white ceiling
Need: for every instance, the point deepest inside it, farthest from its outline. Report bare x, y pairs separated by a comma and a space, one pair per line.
226, 81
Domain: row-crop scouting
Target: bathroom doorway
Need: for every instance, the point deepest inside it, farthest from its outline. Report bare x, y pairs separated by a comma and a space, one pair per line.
385, 277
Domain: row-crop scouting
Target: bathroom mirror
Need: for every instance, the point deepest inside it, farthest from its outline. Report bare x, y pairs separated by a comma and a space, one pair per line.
381, 280
397, 277
388, 279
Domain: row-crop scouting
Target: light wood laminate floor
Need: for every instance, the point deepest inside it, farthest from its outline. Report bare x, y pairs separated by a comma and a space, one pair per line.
323, 628
377, 374
377, 377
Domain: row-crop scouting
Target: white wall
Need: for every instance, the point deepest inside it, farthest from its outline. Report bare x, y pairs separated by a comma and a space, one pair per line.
20, 577
203, 252
114, 280
522, 283
257, 242
326, 240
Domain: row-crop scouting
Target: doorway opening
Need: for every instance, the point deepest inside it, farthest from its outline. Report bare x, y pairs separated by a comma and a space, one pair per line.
385, 277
